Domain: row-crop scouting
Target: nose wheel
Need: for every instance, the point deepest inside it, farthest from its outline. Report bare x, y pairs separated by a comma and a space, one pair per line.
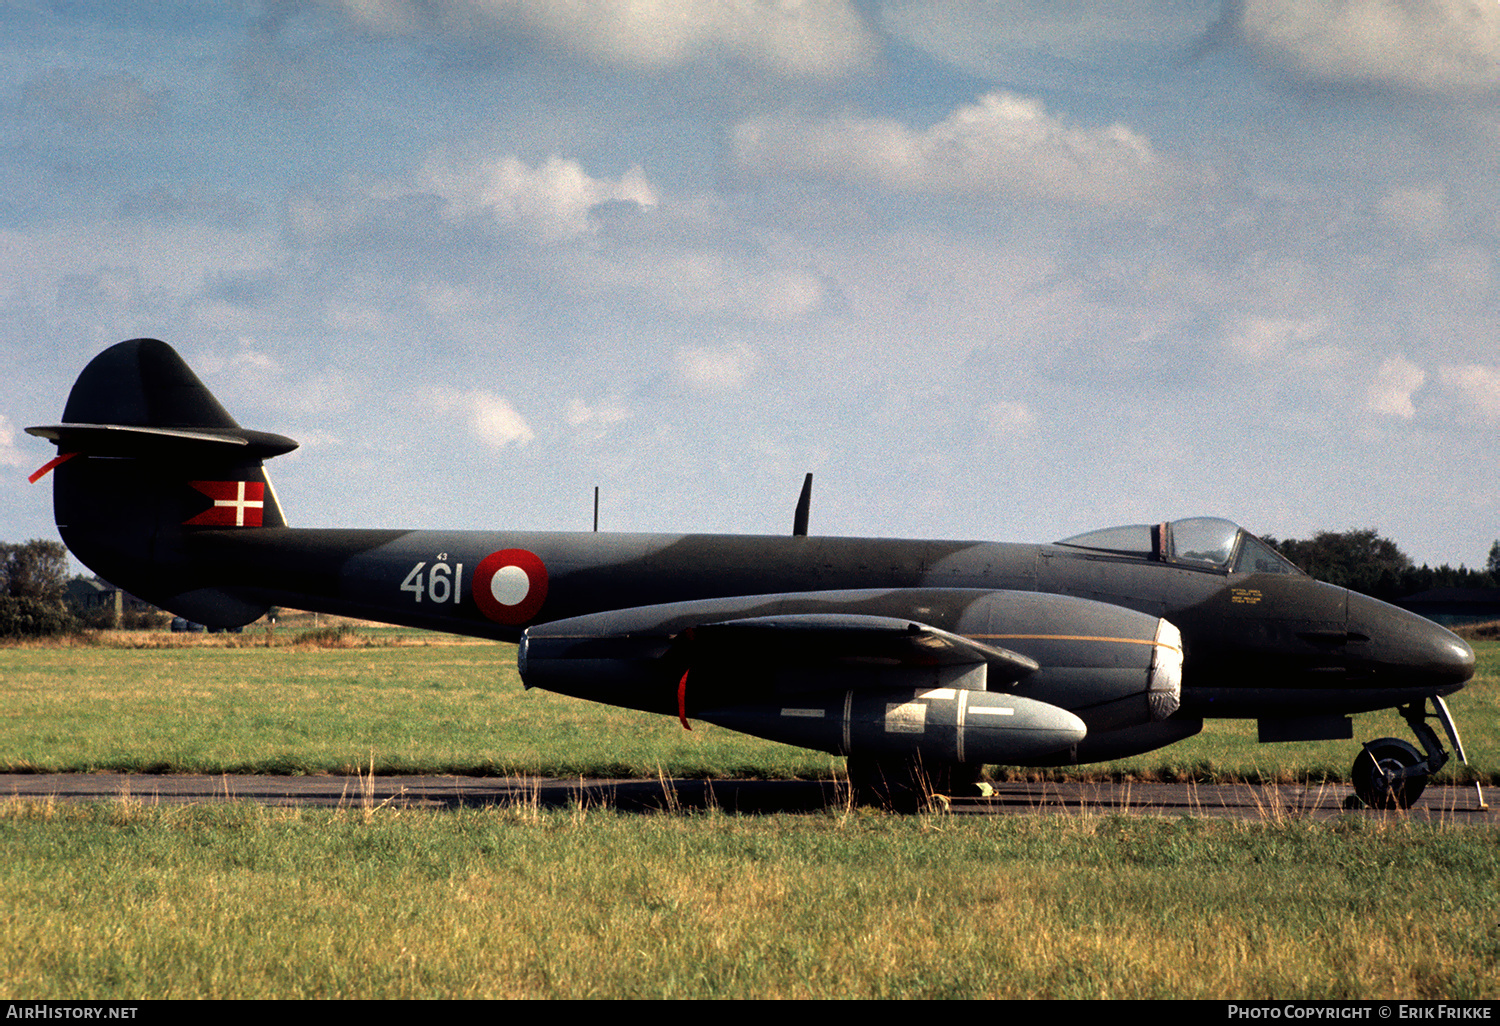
1389, 774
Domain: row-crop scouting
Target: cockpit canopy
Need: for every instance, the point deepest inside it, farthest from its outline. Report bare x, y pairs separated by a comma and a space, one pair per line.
1208, 543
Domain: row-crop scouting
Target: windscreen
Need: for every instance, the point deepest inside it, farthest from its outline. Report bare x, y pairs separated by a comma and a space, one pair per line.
1208, 541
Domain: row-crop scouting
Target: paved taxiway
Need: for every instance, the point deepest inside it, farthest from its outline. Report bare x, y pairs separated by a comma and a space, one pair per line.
1234, 801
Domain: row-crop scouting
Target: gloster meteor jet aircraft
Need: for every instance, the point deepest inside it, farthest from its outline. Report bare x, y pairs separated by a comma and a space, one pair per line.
898, 654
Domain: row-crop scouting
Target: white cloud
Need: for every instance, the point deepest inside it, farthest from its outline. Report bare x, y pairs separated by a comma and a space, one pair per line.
552, 199
799, 38
489, 417
494, 421
1391, 391
10, 454
247, 380
551, 202
608, 412
392, 16
1432, 46
716, 369
1477, 386
1003, 144
1463, 270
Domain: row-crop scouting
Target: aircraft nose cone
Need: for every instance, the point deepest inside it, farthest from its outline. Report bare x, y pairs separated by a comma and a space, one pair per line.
1456, 658
1410, 649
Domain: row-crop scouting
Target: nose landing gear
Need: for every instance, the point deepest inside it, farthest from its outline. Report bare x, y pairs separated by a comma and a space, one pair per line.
1391, 774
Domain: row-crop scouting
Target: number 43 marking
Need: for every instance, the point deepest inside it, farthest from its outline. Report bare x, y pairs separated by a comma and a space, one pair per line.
440, 584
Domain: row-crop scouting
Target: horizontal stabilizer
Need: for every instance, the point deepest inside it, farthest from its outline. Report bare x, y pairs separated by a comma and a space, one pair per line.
130, 440
810, 638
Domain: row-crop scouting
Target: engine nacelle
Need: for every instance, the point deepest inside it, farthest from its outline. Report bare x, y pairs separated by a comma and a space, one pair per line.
949, 673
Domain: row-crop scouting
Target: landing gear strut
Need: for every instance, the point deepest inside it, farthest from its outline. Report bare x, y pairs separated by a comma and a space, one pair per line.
1391, 774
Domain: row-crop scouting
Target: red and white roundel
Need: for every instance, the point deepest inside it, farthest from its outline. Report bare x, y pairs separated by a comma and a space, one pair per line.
510, 585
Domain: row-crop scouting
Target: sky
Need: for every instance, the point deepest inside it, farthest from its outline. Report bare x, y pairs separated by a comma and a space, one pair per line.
989, 270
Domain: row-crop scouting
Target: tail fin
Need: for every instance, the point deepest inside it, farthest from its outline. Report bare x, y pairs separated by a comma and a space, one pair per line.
150, 460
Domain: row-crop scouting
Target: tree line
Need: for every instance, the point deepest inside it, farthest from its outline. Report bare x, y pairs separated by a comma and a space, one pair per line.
1364, 561
33, 587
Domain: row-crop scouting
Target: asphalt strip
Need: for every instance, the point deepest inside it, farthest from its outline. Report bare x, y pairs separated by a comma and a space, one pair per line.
1458, 805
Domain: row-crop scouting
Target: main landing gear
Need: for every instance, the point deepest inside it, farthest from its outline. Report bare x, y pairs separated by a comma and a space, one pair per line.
1391, 774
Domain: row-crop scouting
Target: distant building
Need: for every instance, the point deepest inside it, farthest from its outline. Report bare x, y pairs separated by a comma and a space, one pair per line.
1455, 606
94, 594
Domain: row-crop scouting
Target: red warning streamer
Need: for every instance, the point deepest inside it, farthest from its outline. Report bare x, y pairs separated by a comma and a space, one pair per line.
682, 699
61, 457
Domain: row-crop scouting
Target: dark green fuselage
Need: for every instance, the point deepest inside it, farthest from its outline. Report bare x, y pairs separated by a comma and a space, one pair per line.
1254, 644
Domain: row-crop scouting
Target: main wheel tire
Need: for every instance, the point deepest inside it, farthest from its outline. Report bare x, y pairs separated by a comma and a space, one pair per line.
1375, 774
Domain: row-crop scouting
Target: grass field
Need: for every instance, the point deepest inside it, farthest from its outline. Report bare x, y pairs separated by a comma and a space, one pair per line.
127, 900
124, 901
419, 703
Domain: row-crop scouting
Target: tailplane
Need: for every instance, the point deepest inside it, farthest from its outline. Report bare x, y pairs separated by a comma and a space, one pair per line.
148, 461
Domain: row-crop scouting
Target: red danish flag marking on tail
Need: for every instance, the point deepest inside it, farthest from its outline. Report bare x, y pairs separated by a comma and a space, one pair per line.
510, 586
236, 503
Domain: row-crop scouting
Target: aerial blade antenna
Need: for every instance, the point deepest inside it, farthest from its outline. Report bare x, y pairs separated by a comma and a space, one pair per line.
804, 504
